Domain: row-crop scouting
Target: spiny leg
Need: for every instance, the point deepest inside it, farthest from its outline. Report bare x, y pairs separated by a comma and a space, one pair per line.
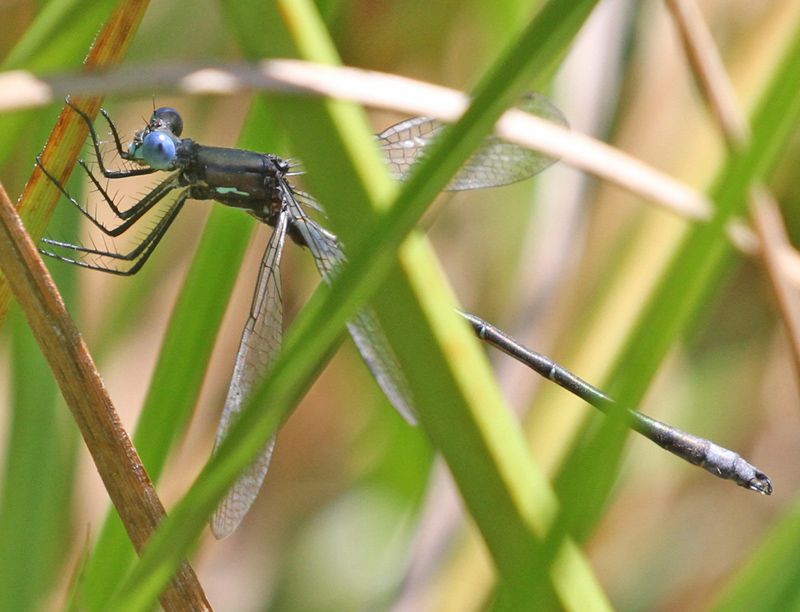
135, 212
115, 134
110, 174
130, 216
138, 255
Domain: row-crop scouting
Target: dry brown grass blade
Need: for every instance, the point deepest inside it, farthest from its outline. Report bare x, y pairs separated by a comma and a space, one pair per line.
26, 277
116, 459
717, 89
770, 228
709, 72
378, 90
40, 196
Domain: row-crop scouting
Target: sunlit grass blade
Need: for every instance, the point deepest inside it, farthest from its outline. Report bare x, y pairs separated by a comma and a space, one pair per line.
515, 543
503, 83
39, 465
183, 362
697, 272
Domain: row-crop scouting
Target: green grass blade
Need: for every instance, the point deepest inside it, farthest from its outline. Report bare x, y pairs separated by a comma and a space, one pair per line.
39, 466
694, 277
182, 365
504, 83
768, 582
57, 40
526, 500
36, 509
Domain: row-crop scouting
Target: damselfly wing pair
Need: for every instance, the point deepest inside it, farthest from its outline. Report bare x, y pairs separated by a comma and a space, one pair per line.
260, 184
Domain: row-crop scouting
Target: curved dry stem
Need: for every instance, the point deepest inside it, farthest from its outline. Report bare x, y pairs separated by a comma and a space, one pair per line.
378, 90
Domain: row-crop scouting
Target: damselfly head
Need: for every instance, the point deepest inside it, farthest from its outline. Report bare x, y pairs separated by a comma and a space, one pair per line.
156, 145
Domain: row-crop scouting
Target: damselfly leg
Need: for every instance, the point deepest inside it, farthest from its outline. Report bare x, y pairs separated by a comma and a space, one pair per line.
258, 183
107, 260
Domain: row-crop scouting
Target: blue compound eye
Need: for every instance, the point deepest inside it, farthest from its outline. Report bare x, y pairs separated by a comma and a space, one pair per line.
158, 150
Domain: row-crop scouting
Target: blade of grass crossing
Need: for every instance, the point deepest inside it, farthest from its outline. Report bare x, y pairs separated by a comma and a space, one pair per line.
692, 280
509, 71
39, 468
248, 438
183, 361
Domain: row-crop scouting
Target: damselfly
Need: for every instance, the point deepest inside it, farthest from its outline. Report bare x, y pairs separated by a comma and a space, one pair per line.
259, 184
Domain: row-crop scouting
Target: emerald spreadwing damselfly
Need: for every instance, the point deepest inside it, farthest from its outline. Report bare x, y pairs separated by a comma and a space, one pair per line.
259, 184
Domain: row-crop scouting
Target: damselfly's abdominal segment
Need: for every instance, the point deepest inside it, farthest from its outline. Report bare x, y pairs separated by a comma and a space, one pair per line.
259, 184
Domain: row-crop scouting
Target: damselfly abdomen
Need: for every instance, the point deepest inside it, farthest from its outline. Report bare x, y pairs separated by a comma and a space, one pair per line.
259, 184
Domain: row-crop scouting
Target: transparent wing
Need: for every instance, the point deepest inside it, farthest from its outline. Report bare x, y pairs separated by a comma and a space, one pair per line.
497, 162
364, 327
261, 343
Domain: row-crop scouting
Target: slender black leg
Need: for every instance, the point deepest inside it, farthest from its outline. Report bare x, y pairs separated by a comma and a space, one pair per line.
138, 255
130, 216
111, 174
117, 142
139, 209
